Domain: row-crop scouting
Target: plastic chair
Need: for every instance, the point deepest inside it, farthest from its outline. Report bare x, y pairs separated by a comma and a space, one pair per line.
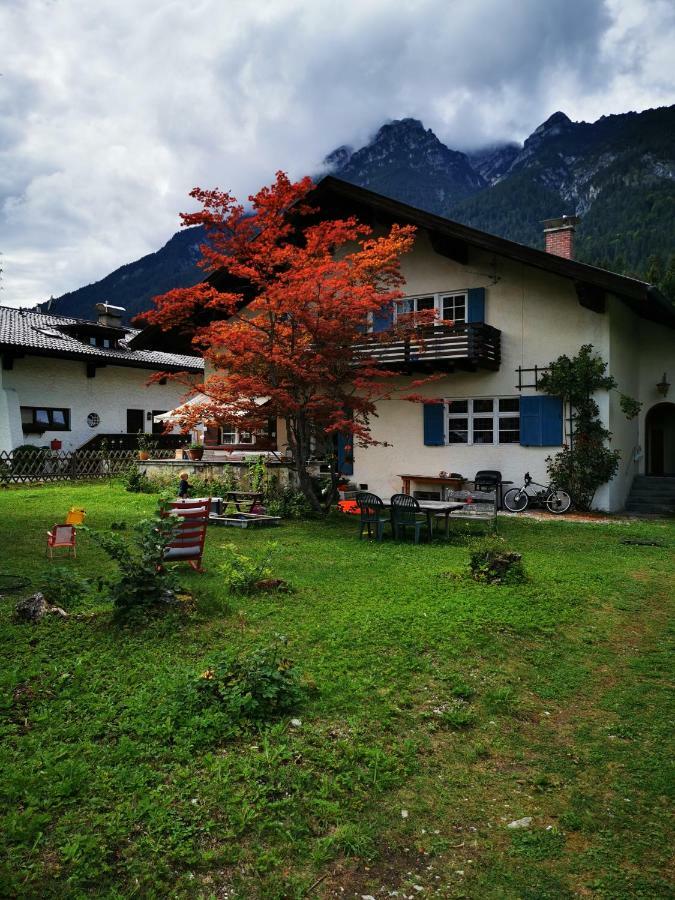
407, 513
61, 536
373, 513
75, 516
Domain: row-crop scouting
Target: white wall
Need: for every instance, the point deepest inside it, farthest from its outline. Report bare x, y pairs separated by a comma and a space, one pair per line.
539, 317
42, 381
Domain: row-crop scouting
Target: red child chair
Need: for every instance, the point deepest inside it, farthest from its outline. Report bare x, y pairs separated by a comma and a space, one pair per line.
61, 536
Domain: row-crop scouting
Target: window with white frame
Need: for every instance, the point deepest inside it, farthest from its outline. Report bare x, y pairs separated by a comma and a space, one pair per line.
231, 435
449, 307
484, 420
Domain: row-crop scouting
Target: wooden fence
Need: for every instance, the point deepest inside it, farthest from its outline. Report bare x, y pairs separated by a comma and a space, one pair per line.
27, 466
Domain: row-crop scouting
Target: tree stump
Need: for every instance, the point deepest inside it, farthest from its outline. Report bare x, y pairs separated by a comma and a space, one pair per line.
496, 566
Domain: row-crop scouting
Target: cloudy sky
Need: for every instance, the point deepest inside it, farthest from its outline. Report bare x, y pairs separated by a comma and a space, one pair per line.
112, 110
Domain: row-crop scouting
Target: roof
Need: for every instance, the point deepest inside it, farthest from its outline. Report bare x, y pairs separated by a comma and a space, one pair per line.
642, 297
28, 331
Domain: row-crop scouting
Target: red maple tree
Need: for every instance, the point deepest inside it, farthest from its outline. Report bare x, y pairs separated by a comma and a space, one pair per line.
293, 331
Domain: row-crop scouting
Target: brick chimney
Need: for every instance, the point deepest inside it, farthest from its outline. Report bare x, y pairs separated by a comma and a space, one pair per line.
559, 235
110, 315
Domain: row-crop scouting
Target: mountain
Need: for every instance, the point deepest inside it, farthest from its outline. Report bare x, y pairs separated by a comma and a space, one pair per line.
407, 161
134, 285
618, 174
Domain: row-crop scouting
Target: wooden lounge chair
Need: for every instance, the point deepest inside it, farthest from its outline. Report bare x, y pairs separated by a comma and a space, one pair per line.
407, 513
188, 545
373, 514
61, 536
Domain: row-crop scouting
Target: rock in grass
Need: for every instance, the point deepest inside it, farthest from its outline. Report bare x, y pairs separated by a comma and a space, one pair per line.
35, 607
525, 822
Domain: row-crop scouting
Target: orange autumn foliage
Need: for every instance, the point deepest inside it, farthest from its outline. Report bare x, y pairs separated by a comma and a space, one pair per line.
304, 290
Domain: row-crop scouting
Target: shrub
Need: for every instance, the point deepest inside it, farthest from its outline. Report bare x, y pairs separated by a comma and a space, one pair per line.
289, 503
492, 562
587, 463
136, 481
142, 581
253, 687
65, 587
242, 573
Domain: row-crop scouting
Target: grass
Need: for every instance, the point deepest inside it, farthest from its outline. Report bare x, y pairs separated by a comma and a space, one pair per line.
442, 710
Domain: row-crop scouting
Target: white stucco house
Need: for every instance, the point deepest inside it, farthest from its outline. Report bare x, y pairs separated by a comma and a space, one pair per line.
513, 310
73, 380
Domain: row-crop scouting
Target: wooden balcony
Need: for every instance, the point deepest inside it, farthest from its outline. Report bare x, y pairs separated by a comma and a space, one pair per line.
440, 348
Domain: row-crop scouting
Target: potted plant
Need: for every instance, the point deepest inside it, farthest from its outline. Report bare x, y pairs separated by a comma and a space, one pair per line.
196, 450
145, 445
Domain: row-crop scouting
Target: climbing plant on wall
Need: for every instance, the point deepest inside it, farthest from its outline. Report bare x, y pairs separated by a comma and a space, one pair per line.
587, 462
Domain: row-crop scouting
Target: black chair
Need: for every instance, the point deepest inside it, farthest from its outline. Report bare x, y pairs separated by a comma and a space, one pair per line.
373, 513
489, 480
407, 513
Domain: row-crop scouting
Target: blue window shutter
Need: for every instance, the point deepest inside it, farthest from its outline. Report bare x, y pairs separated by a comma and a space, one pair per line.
551, 422
384, 318
345, 458
541, 421
476, 305
434, 430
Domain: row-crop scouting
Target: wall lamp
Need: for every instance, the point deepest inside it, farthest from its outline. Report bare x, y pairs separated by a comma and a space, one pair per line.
663, 386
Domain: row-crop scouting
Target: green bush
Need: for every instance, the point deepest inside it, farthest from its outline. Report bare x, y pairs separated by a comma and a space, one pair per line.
136, 481
65, 588
253, 687
142, 581
242, 573
289, 503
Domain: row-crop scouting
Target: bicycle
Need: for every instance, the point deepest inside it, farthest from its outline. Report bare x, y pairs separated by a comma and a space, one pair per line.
556, 500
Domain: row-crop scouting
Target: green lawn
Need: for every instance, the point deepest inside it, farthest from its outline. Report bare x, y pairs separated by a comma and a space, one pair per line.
442, 710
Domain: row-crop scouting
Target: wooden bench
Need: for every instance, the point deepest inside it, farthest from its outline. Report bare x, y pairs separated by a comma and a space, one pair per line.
479, 506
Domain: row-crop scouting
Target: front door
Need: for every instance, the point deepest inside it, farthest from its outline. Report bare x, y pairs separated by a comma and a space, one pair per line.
135, 421
660, 439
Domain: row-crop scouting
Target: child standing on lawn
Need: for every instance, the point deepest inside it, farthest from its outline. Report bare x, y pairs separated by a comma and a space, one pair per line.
184, 487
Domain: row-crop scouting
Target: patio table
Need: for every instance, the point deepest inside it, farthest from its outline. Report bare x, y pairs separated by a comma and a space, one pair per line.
439, 507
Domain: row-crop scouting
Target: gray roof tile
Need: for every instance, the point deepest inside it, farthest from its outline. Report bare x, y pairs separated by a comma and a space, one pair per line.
41, 332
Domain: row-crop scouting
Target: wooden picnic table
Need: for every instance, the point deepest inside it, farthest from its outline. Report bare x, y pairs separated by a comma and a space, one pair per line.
239, 497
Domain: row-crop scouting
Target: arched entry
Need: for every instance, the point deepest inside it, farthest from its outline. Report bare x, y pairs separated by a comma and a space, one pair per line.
660, 439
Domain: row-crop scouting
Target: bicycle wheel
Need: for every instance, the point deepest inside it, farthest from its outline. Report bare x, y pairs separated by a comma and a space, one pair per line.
515, 500
558, 501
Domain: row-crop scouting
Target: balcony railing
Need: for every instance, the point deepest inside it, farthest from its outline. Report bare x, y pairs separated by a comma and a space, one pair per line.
440, 347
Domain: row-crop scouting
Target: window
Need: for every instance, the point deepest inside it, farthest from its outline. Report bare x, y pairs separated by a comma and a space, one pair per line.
105, 343
484, 420
231, 435
449, 307
453, 308
37, 419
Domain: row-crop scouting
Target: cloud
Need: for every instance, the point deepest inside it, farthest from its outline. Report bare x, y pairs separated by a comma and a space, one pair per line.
111, 111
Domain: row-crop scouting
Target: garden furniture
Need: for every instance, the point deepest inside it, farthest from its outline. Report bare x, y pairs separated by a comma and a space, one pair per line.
373, 514
406, 512
188, 544
489, 480
474, 506
61, 536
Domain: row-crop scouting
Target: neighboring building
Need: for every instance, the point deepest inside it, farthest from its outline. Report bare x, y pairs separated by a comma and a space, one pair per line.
74, 380
514, 309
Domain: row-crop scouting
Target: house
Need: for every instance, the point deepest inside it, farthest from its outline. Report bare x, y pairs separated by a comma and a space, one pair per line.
513, 309
75, 380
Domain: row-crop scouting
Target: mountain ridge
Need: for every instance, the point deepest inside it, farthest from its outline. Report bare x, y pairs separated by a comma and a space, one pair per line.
618, 173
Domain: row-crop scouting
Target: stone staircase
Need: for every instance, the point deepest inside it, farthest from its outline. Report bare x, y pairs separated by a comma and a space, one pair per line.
652, 495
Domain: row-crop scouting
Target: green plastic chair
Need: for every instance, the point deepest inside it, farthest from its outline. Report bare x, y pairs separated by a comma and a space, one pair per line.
407, 513
373, 514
